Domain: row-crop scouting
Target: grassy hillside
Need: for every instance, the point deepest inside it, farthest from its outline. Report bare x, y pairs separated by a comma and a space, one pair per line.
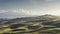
46, 24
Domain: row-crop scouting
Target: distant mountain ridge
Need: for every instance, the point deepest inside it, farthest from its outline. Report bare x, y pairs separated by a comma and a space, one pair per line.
44, 17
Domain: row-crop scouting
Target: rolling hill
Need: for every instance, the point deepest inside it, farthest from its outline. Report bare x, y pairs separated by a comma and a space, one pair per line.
45, 24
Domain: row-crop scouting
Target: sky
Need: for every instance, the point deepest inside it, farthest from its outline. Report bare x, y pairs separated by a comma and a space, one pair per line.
27, 8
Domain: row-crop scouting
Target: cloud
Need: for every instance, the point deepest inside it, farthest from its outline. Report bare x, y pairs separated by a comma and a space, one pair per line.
21, 11
26, 13
30, 12
48, 0
13, 13
3, 11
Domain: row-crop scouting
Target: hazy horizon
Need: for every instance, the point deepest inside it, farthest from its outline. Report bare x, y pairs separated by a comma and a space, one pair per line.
28, 8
